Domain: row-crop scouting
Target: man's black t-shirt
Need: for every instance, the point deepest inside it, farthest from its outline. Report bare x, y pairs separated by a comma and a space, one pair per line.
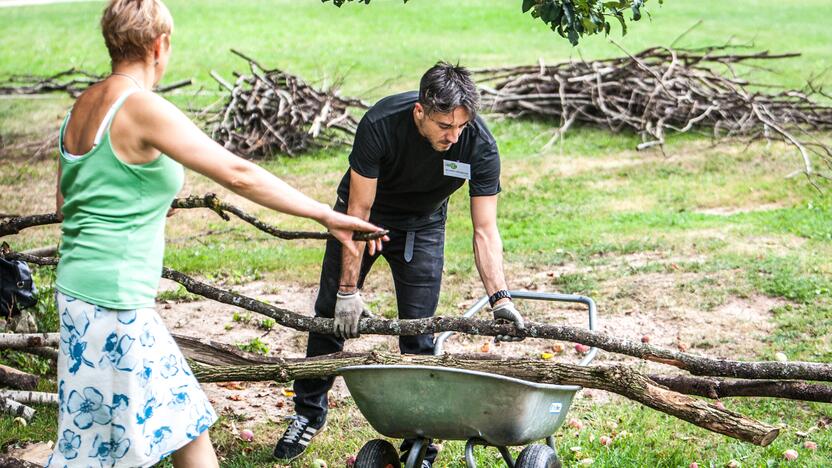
412, 190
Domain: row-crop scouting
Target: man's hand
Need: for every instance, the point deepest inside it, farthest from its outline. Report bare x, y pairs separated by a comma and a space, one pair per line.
348, 311
506, 311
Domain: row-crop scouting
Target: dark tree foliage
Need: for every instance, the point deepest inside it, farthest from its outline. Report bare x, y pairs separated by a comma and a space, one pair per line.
572, 19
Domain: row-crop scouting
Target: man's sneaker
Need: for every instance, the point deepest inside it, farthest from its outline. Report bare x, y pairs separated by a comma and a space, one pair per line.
296, 438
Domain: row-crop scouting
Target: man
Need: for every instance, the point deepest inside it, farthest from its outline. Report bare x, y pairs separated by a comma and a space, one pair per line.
411, 152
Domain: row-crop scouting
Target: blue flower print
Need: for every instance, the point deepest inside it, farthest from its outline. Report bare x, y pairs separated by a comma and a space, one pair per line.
69, 444
145, 372
199, 426
146, 338
107, 451
120, 402
72, 329
180, 398
169, 366
147, 411
126, 316
158, 440
116, 352
60, 396
186, 369
90, 408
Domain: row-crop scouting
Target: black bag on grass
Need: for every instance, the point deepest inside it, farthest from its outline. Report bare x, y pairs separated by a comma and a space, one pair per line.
17, 290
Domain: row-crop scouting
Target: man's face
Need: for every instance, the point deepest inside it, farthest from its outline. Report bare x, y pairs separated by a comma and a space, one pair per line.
441, 130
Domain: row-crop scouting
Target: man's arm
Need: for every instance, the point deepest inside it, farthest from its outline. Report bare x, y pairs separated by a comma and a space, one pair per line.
488, 255
362, 195
488, 246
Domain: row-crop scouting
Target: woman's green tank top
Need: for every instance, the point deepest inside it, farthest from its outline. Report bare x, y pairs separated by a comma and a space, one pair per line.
113, 232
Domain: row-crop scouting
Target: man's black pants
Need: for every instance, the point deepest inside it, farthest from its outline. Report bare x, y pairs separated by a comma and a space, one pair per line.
416, 259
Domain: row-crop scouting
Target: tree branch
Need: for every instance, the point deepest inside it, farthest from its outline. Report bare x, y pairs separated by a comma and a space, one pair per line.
694, 364
14, 225
617, 378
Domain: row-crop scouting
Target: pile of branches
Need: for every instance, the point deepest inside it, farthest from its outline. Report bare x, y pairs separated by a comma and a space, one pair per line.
72, 81
661, 89
271, 111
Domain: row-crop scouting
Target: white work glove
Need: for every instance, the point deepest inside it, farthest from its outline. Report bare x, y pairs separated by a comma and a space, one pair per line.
506, 311
348, 311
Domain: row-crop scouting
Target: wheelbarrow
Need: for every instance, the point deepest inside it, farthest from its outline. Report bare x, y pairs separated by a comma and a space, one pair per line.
490, 410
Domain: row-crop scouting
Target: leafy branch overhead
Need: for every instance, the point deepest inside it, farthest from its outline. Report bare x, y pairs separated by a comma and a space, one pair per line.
573, 19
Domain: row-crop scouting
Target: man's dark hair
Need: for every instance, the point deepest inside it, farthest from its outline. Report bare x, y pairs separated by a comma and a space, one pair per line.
445, 87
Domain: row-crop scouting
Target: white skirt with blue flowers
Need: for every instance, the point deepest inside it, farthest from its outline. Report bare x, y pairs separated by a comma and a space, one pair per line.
127, 396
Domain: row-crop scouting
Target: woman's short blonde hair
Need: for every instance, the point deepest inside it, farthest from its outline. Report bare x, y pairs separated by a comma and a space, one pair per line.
130, 27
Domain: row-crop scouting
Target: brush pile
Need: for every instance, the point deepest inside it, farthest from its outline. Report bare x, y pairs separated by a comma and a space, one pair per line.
271, 111
662, 89
72, 81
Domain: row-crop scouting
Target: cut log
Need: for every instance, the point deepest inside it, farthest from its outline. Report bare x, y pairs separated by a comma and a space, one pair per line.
12, 462
11, 377
28, 340
15, 409
617, 379
31, 398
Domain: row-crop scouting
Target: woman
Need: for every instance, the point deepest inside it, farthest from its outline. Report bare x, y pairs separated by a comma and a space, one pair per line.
127, 396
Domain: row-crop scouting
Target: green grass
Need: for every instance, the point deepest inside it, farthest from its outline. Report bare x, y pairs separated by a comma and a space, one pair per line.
722, 215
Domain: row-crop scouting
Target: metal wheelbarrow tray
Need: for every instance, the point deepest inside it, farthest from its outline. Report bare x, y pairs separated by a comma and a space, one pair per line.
426, 402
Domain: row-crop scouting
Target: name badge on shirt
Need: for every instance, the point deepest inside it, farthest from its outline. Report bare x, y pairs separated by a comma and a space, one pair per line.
457, 169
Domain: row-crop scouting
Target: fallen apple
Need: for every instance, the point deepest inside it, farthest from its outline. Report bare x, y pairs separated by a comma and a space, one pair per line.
645, 339
350, 462
732, 464
809, 445
790, 454
606, 441
557, 348
575, 424
781, 357
581, 348
247, 435
693, 465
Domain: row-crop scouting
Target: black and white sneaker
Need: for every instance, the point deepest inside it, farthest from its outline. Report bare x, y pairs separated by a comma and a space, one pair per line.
296, 438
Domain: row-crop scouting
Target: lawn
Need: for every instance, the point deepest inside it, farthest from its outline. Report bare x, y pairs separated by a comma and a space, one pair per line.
660, 241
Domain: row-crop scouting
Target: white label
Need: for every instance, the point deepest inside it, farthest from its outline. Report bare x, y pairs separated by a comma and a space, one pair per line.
457, 169
555, 408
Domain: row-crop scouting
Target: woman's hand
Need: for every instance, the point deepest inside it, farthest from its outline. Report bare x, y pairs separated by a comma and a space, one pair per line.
343, 226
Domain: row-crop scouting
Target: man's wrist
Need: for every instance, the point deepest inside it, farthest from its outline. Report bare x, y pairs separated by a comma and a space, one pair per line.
499, 297
347, 287
501, 302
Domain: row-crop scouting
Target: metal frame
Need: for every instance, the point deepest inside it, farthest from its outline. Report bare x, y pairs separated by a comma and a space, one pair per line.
540, 296
479, 305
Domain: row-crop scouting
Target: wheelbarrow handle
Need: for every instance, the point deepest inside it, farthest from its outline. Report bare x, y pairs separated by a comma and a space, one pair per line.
539, 296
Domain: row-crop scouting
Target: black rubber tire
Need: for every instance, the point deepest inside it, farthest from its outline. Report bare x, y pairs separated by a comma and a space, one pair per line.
537, 456
377, 453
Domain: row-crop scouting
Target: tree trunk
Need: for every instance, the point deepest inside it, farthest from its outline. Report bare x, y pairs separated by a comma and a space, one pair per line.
15, 409
617, 379
23, 341
32, 398
723, 388
14, 378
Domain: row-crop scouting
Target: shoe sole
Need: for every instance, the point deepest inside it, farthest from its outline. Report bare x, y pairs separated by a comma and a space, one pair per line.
304, 450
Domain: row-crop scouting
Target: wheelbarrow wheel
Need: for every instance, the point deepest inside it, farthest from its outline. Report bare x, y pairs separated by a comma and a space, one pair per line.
538, 456
377, 453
